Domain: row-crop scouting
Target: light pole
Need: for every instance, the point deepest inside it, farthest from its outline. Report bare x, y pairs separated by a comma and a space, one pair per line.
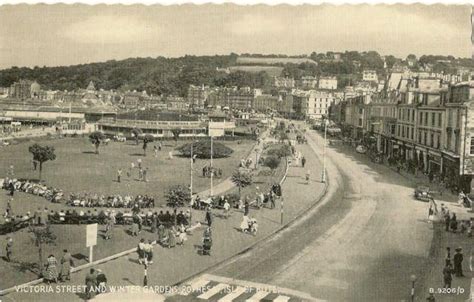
413, 279
323, 177
212, 168
256, 157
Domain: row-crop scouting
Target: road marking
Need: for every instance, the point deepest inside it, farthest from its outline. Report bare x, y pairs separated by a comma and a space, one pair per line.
215, 290
195, 286
258, 296
282, 299
234, 294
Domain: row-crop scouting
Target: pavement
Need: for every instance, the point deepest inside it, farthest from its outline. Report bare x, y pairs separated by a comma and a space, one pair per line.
173, 265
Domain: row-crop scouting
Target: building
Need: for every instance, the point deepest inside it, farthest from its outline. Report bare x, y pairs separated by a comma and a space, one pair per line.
233, 98
329, 83
197, 96
308, 82
20, 90
284, 82
369, 75
266, 102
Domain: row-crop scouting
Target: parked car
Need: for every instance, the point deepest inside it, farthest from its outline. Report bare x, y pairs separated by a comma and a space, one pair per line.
361, 149
422, 193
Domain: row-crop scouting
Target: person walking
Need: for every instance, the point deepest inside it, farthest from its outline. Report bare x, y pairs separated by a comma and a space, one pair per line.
140, 174
246, 208
303, 161
226, 208
66, 263
91, 283
457, 259
51, 274
447, 221
448, 256
145, 173
209, 217
308, 174
447, 276
119, 174
155, 150
9, 249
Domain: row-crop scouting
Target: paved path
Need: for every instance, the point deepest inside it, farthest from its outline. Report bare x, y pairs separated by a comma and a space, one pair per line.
173, 265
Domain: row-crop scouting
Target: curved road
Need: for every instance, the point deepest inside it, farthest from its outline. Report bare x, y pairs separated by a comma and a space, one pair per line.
361, 243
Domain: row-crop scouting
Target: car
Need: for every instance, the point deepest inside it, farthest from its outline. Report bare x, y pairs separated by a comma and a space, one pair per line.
422, 193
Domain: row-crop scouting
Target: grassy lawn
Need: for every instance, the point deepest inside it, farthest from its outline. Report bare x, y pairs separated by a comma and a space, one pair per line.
78, 169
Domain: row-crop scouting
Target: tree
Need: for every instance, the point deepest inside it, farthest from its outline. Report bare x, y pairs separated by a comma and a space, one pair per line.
42, 235
136, 133
272, 162
96, 139
176, 133
178, 196
241, 179
42, 154
148, 139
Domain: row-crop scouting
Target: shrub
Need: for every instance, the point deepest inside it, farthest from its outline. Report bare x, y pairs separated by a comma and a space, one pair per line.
178, 196
202, 149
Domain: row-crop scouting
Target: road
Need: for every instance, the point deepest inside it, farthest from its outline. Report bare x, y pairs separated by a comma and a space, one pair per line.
362, 243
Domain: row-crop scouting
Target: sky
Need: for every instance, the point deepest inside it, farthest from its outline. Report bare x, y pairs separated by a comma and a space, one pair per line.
55, 35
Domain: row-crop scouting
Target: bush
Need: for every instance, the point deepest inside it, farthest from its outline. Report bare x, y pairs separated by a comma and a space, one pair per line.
280, 150
178, 196
202, 149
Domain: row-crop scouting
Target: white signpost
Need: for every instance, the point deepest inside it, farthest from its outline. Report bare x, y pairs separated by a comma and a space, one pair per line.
91, 238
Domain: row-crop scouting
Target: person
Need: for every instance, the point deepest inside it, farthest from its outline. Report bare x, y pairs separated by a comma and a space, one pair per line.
140, 174
9, 249
51, 274
141, 251
447, 276
119, 174
209, 217
207, 242
448, 256
431, 214
454, 223
226, 208
246, 208
108, 228
159, 146
162, 238
303, 161
148, 248
66, 263
155, 150
244, 225
308, 173
139, 163
145, 172
101, 281
171, 237
431, 298
154, 222
447, 221
91, 283
457, 259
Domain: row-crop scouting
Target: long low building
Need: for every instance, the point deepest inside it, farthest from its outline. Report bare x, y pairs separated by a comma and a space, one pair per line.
164, 129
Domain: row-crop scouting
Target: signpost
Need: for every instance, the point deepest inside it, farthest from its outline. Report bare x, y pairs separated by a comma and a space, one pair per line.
91, 238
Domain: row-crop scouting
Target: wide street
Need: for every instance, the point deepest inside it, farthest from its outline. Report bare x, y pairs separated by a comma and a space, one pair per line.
361, 245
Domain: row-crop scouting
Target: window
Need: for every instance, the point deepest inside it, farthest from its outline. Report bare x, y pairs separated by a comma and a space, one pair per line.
433, 118
419, 137
424, 138
472, 145
398, 130
412, 132
438, 143
426, 118
421, 118
439, 120
403, 131
432, 140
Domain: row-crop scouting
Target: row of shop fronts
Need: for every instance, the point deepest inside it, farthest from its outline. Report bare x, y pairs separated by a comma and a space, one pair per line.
424, 159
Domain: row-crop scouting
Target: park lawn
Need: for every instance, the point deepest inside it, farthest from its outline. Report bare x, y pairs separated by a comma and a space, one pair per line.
72, 237
77, 169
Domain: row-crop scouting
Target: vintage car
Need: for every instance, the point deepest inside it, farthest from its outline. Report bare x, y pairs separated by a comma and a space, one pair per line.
422, 193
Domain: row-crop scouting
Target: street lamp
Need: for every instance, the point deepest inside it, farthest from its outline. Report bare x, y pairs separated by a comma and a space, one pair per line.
257, 151
413, 279
323, 177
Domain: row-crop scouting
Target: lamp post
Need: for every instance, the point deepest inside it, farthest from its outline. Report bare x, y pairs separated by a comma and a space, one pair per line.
212, 168
191, 184
257, 151
323, 177
413, 279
